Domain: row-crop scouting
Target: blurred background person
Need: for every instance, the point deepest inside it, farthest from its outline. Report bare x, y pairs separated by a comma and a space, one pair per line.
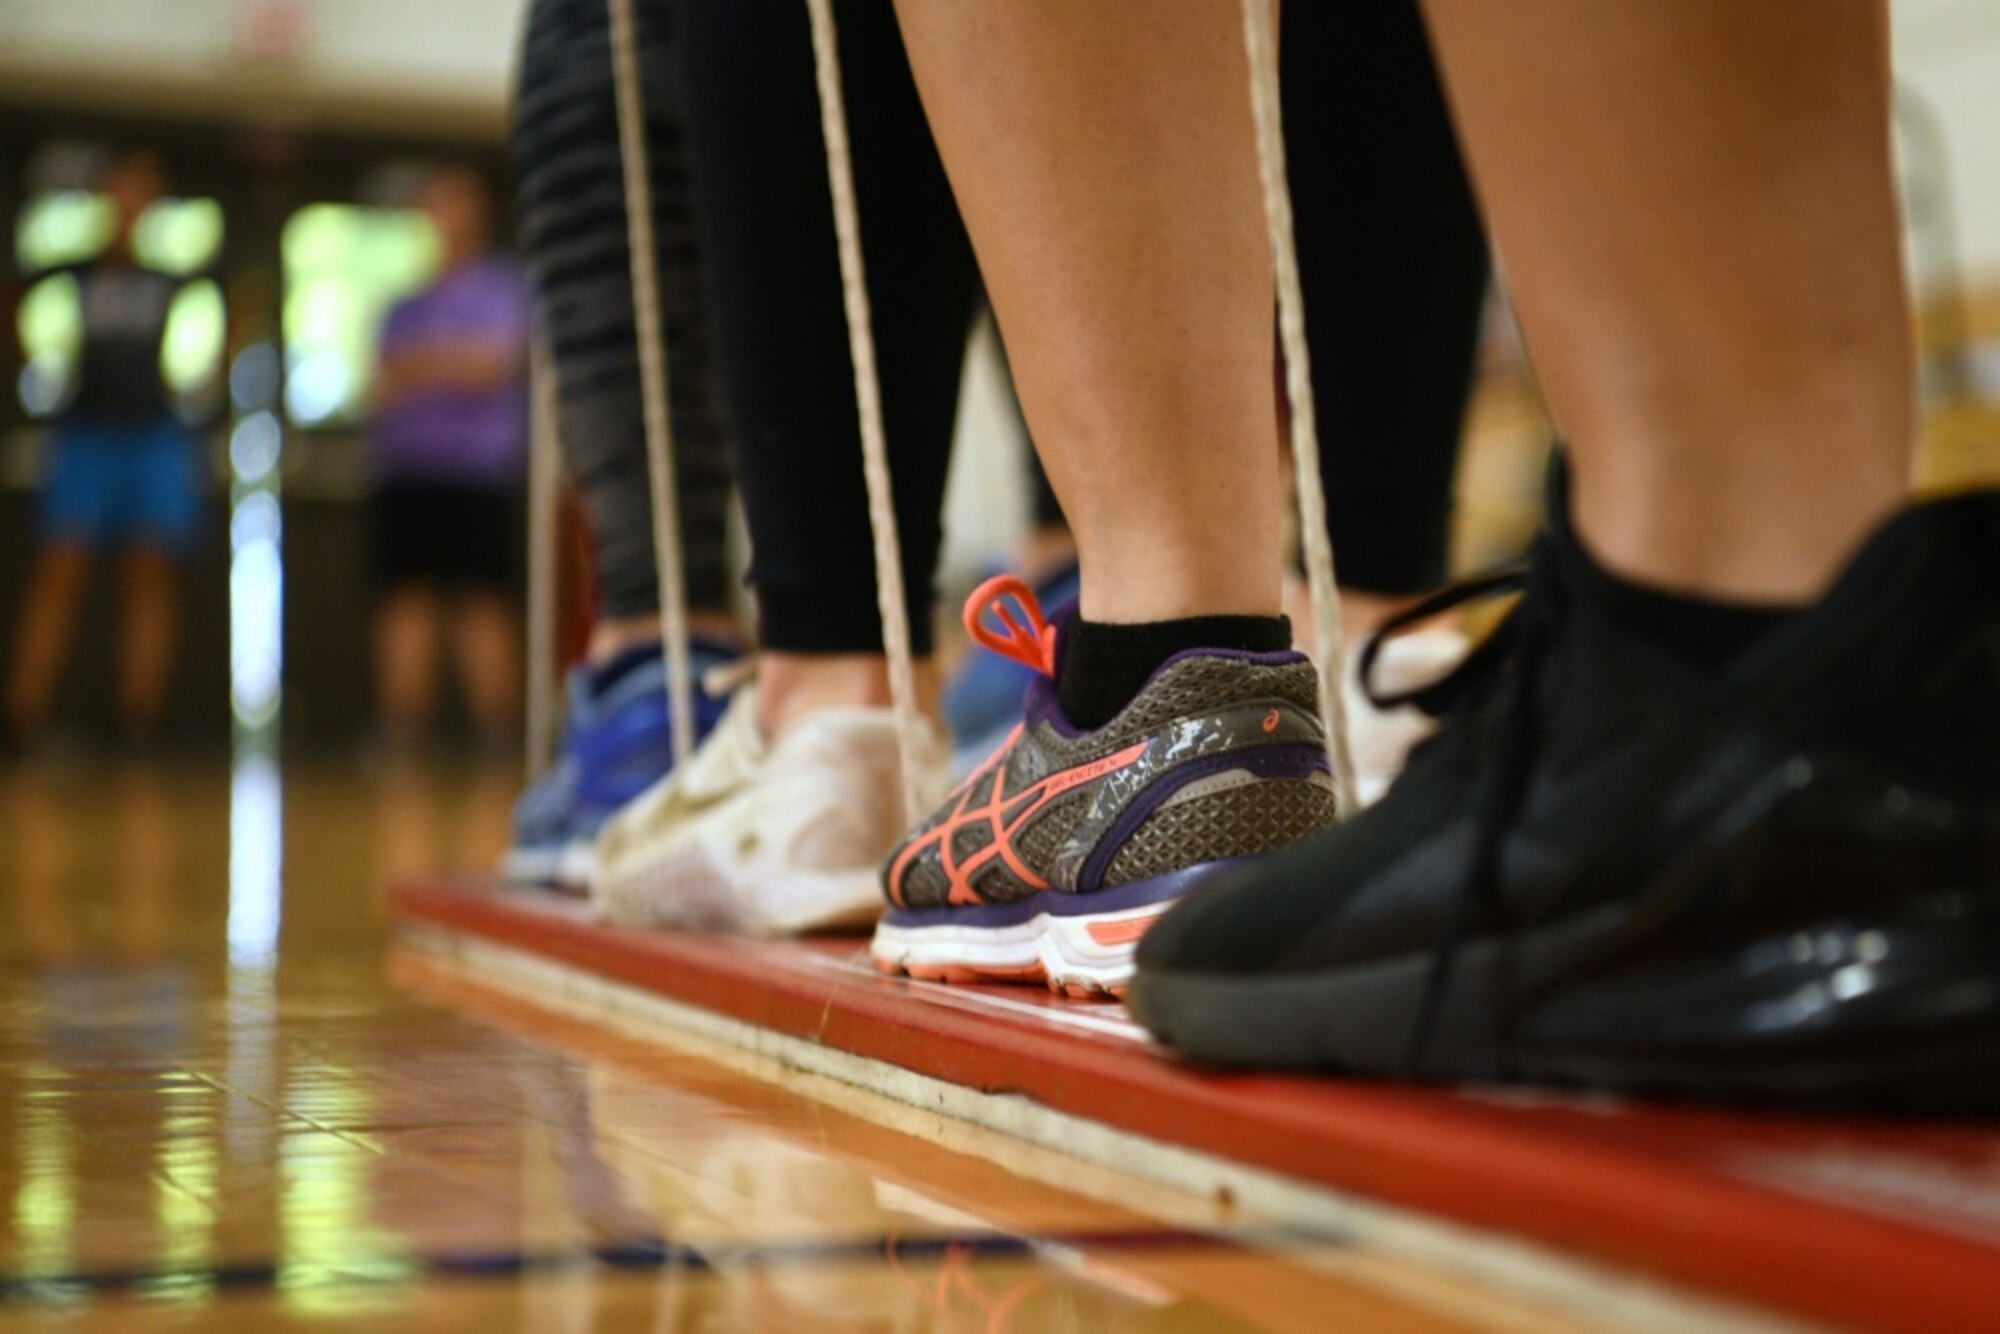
122, 476
449, 446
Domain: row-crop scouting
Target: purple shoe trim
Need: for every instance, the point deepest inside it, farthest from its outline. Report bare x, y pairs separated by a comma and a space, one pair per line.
1283, 657
1290, 760
1041, 704
1060, 903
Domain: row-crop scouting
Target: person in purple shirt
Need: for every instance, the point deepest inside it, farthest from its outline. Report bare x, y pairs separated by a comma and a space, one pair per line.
449, 447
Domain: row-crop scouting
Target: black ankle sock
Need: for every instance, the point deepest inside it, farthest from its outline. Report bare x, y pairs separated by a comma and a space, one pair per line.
1104, 666
1706, 633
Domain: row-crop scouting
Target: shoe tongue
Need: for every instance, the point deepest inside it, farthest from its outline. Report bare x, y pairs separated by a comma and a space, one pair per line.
1917, 537
1560, 543
1556, 547
1917, 564
1695, 634
1924, 567
729, 757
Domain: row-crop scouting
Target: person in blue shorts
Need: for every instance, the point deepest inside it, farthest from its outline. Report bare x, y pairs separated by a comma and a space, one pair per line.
122, 477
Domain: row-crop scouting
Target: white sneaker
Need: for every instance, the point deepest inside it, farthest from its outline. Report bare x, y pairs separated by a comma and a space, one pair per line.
765, 839
1381, 738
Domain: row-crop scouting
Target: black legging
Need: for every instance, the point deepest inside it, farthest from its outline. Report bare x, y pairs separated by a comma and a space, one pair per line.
765, 222
573, 237
1393, 261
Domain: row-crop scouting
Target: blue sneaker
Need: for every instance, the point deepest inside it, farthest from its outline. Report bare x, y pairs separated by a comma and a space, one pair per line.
617, 742
982, 701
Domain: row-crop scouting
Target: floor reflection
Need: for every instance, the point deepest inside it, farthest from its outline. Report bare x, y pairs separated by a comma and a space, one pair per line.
219, 1105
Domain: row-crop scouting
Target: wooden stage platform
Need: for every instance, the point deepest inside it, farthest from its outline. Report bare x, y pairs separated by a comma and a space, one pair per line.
1892, 1226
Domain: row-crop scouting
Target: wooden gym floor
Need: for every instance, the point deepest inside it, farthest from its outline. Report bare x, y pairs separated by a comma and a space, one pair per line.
225, 1104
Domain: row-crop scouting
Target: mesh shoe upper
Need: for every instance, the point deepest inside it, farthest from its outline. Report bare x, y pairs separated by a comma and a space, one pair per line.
1220, 756
746, 822
617, 742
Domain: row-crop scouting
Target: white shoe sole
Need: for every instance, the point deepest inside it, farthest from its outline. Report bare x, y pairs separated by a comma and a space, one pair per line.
1079, 944
579, 863
1083, 956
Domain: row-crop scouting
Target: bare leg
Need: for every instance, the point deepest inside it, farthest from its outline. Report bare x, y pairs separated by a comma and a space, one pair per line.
1361, 614
613, 635
1047, 548
146, 645
793, 686
487, 649
1704, 257
48, 619
1103, 157
407, 630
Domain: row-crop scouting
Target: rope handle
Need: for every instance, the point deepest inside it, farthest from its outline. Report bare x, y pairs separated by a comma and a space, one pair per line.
910, 730
1260, 43
653, 384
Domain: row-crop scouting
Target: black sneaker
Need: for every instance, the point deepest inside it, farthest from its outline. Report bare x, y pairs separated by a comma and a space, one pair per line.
1775, 882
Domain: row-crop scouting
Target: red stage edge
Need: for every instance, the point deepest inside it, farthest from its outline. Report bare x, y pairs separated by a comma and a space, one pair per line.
1891, 1226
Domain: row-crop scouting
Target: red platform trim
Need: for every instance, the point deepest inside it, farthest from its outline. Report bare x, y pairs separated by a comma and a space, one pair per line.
1887, 1226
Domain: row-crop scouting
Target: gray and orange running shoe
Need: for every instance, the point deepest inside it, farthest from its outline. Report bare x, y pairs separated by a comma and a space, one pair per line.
1049, 863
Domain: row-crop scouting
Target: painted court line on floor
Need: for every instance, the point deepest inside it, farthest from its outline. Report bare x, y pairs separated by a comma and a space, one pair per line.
390, 1268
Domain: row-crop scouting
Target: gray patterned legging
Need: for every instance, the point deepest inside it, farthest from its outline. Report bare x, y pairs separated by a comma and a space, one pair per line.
573, 239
